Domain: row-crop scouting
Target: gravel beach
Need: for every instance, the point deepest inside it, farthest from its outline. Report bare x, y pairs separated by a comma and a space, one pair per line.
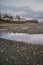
20, 53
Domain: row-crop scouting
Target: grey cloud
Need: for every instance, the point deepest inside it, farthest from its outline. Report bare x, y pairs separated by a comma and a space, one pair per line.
34, 4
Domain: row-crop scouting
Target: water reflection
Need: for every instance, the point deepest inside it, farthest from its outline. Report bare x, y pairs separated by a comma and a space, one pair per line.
30, 38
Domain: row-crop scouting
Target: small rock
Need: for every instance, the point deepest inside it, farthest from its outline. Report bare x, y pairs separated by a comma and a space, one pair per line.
1, 50
7, 59
34, 53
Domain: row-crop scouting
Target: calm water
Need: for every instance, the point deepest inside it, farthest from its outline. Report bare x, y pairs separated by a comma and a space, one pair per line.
30, 38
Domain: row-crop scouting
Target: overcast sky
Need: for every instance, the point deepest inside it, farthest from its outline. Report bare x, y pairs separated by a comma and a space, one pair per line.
33, 4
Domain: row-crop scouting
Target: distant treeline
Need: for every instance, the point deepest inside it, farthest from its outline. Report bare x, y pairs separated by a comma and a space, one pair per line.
11, 19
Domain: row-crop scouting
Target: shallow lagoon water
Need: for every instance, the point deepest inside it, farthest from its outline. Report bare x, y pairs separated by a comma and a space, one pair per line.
23, 37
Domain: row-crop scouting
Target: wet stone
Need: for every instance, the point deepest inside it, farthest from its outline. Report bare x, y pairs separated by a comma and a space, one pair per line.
2, 50
34, 53
7, 60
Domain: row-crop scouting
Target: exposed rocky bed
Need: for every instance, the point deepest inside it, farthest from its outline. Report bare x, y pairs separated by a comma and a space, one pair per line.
31, 28
20, 53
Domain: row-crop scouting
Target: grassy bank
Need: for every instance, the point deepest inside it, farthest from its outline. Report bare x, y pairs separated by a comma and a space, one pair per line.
20, 53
